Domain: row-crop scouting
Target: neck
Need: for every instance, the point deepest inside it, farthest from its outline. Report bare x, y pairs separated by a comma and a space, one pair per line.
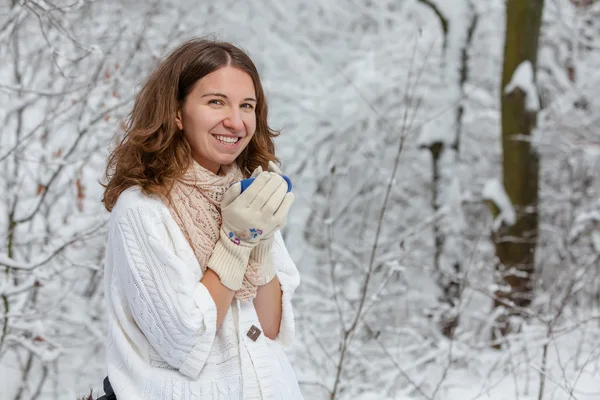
208, 165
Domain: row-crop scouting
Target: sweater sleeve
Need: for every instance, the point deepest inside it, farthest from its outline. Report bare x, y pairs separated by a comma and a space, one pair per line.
172, 308
289, 278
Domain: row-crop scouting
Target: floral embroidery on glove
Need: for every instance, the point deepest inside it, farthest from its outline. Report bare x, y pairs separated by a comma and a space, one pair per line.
237, 237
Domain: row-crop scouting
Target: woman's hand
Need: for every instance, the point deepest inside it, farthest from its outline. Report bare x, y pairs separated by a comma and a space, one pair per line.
257, 212
262, 251
249, 217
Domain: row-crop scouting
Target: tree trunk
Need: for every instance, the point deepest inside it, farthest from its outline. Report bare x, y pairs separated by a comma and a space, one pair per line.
448, 233
516, 244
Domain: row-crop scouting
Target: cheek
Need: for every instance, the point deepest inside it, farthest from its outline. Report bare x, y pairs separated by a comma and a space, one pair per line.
250, 123
199, 122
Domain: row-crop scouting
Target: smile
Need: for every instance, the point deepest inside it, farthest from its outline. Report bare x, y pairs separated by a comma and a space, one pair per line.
227, 140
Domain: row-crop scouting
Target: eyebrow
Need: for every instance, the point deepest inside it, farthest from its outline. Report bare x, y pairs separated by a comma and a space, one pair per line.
225, 97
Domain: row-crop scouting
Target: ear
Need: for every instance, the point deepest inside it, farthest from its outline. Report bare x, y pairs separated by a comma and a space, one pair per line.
179, 120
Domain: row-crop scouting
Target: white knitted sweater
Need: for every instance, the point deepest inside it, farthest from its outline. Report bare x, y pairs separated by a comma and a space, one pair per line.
162, 338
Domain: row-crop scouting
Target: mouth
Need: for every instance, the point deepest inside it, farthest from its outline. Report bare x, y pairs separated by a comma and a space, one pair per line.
228, 141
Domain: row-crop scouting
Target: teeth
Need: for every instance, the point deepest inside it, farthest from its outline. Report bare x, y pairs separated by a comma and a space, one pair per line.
226, 139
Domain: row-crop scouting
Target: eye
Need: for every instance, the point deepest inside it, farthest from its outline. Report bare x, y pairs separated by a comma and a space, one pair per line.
216, 102
247, 106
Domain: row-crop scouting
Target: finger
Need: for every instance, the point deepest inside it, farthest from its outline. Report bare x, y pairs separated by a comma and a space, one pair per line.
256, 172
248, 196
231, 194
274, 202
267, 191
274, 168
283, 210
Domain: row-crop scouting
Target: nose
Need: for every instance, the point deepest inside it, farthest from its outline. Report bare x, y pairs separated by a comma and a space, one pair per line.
234, 121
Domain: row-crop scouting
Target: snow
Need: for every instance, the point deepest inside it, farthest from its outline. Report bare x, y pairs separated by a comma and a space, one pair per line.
494, 191
345, 91
596, 241
523, 78
589, 216
440, 130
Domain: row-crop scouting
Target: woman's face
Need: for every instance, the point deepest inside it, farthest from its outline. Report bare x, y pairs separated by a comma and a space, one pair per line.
218, 117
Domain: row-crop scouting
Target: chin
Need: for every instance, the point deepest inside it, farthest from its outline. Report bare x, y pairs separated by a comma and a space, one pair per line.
226, 160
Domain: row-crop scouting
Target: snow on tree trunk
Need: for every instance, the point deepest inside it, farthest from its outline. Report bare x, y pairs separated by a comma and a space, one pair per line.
516, 243
441, 137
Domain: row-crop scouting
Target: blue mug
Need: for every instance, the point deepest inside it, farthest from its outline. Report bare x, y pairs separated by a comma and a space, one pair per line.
247, 182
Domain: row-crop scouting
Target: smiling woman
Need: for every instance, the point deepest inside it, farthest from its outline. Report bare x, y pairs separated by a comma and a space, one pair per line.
198, 79
219, 124
198, 280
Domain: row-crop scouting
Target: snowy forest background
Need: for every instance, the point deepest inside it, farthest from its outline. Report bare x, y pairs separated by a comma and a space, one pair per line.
446, 252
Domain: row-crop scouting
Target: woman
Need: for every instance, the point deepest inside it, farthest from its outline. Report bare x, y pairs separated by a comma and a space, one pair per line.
197, 278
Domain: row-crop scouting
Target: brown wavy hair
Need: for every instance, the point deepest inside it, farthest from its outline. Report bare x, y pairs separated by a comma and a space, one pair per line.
153, 152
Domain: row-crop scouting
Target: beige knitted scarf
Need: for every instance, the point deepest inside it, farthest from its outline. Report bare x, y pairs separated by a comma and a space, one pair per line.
196, 206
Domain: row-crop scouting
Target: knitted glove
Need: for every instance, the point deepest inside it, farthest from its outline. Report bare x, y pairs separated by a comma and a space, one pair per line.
262, 251
258, 210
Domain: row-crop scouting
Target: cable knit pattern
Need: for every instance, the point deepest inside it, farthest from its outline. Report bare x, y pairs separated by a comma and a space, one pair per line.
162, 339
176, 331
196, 207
